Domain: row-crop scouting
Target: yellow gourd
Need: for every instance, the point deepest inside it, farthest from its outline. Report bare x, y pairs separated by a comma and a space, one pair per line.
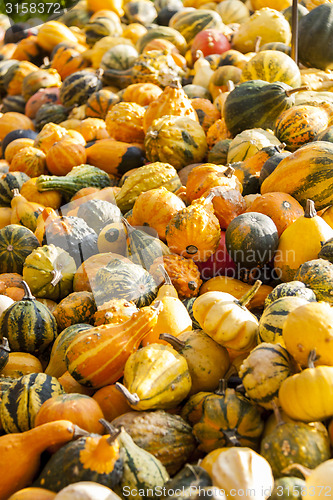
240, 469
24, 212
173, 318
301, 242
226, 319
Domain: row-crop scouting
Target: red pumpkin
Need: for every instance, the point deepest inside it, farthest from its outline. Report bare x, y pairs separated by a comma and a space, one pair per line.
210, 41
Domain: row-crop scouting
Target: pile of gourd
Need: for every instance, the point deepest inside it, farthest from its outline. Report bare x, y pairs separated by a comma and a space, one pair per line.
166, 252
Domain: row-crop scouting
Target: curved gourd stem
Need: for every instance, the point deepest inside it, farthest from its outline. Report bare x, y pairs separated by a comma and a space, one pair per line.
231, 437
27, 292
133, 399
312, 358
127, 225
310, 210
305, 471
111, 429
165, 275
289, 92
277, 414
243, 301
15, 192
220, 391
57, 275
78, 432
176, 343
257, 43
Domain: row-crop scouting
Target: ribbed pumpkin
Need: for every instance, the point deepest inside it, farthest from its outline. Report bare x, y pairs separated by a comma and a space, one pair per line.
13, 121
248, 143
317, 274
28, 49
155, 208
101, 26
77, 307
67, 60
190, 23
272, 66
52, 33
290, 289
86, 81
100, 102
142, 93
301, 124
173, 101
15, 75
194, 232
120, 279
225, 418
15, 146
42, 78
179, 141
202, 178
21, 363
49, 135
21, 402
64, 155
16, 243
30, 160
28, 324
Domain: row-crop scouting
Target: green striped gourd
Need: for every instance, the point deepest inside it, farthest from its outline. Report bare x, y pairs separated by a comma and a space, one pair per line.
226, 418
119, 57
190, 23
4, 353
272, 66
22, 400
249, 142
256, 103
13, 103
124, 280
165, 33
16, 243
143, 248
101, 27
4, 67
274, 316
306, 174
100, 102
8, 182
92, 458
233, 11
290, 289
77, 87
28, 324
57, 364
263, 371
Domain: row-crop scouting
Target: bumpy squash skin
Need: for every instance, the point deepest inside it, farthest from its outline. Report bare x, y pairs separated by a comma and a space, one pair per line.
317, 274
291, 289
77, 307
292, 443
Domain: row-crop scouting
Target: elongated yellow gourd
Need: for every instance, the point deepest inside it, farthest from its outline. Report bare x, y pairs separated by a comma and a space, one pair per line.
24, 212
300, 242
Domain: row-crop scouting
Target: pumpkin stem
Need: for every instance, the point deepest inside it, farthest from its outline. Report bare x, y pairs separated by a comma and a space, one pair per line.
229, 171
310, 210
280, 147
133, 399
127, 225
277, 414
15, 192
257, 43
243, 301
27, 292
177, 344
220, 391
158, 306
301, 468
56, 273
231, 437
312, 358
289, 92
111, 429
4, 346
78, 432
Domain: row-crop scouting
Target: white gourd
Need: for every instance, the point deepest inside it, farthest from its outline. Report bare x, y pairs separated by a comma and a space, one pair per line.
202, 72
86, 490
5, 302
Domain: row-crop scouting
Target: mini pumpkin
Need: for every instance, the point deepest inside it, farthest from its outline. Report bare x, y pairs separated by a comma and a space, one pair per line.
124, 122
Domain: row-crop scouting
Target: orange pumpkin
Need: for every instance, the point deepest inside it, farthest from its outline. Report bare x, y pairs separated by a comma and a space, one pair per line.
21, 363
77, 307
134, 31
92, 129
142, 93
30, 160
80, 409
49, 135
217, 132
100, 102
12, 121
124, 122
23, 68
64, 155
33, 493
282, 208
155, 208
28, 49
204, 177
112, 402
71, 386
15, 146
207, 113
9, 281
